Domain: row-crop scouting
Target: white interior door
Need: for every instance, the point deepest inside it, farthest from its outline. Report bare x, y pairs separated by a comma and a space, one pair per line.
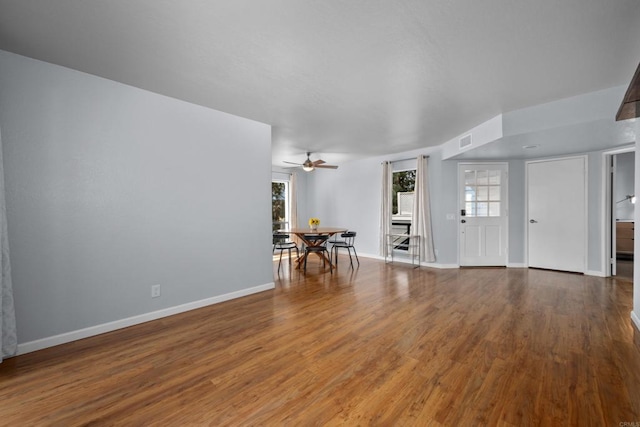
483, 214
557, 218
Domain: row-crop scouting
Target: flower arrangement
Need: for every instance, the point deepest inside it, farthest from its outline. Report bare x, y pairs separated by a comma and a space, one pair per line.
314, 222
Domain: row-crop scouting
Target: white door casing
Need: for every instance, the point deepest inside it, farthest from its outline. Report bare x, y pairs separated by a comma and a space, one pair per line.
483, 214
556, 214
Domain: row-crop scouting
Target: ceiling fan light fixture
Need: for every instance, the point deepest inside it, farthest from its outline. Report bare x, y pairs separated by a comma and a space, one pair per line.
307, 166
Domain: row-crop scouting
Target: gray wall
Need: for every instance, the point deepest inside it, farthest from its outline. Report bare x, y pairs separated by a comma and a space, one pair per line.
517, 212
111, 189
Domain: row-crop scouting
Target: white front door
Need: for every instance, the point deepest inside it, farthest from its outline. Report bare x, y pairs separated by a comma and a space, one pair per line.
556, 217
483, 214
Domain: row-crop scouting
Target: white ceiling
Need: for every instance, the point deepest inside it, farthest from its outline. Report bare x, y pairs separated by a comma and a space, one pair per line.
344, 79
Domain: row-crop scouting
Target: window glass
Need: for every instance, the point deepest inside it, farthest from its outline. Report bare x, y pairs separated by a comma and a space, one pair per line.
482, 177
470, 194
494, 177
470, 208
470, 177
482, 193
482, 209
404, 183
494, 192
279, 205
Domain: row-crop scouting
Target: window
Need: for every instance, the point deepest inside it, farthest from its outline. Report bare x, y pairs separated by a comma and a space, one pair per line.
279, 204
404, 183
482, 193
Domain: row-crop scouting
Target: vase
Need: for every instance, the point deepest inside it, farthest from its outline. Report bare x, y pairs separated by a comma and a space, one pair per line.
314, 228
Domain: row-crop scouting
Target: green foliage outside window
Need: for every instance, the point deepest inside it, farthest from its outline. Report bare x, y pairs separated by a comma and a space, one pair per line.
278, 205
404, 181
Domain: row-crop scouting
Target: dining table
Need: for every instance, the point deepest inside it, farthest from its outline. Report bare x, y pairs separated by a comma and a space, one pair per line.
303, 232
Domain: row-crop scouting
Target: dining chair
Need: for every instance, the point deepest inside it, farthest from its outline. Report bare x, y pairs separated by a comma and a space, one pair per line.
336, 238
317, 244
348, 244
282, 243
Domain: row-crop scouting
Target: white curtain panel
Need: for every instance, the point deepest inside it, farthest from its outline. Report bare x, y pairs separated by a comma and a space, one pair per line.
421, 220
385, 207
9, 339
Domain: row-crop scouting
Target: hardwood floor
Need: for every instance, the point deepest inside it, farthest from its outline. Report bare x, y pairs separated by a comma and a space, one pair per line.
379, 345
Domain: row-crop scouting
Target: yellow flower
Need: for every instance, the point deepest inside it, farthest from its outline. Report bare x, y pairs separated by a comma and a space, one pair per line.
314, 221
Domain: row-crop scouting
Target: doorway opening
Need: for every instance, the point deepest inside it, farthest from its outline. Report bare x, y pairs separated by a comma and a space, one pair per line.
620, 202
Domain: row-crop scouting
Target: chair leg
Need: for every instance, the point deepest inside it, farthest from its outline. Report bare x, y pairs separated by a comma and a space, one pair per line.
280, 261
305, 261
330, 265
356, 254
350, 259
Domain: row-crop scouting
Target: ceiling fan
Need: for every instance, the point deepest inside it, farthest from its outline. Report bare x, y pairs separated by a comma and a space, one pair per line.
309, 165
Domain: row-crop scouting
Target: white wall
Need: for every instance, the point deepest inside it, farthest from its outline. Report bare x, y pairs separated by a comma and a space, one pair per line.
111, 189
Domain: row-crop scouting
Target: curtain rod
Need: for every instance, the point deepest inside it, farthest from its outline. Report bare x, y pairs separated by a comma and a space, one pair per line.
404, 160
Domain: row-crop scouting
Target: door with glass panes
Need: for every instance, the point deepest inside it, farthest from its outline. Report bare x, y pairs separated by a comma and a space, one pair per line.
483, 214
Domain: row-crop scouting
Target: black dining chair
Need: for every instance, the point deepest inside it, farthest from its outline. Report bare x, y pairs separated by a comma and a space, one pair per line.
336, 238
282, 243
317, 244
348, 244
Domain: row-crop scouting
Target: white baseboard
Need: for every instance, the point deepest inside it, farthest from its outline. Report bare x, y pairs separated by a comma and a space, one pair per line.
594, 273
370, 256
438, 265
408, 261
516, 265
43, 343
636, 319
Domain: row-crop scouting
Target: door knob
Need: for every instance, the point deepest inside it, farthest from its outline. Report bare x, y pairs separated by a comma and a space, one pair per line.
533, 221
463, 221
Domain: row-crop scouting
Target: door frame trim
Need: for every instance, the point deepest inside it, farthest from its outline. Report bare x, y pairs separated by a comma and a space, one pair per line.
585, 157
459, 196
607, 251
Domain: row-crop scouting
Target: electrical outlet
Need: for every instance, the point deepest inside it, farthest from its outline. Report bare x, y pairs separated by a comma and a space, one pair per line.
155, 291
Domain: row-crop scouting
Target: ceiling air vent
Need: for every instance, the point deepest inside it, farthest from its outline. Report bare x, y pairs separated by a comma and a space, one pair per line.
465, 141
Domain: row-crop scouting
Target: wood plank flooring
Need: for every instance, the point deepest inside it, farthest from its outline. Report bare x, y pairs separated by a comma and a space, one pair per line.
380, 345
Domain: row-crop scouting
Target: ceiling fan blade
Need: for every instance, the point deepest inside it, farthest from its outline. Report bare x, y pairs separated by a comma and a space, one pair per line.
318, 162
326, 166
291, 163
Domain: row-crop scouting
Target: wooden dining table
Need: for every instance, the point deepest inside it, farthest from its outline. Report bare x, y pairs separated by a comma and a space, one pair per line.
303, 232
